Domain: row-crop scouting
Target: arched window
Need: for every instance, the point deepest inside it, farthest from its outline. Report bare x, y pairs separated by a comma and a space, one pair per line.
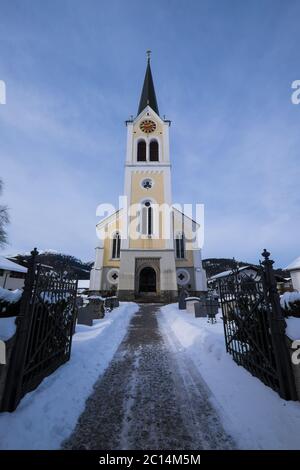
141, 151
116, 245
147, 218
154, 151
179, 245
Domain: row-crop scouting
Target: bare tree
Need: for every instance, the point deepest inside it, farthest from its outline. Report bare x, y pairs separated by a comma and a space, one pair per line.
4, 220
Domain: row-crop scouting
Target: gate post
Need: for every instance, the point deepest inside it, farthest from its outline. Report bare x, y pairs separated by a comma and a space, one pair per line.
13, 386
277, 327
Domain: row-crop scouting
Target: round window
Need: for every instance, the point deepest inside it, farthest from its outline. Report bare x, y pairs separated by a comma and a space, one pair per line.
183, 277
113, 276
147, 183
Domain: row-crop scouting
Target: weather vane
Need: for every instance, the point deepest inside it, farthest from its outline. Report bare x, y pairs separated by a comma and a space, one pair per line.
148, 54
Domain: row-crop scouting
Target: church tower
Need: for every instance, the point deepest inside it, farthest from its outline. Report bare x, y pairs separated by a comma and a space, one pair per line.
144, 253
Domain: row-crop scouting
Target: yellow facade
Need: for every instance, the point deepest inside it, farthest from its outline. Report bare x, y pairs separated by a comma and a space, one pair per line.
156, 195
112, 228
148, 260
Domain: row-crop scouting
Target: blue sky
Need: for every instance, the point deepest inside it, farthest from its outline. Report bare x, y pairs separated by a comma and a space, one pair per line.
222, 71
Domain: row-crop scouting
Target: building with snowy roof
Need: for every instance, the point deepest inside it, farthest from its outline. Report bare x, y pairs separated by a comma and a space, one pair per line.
12, 275
294, 269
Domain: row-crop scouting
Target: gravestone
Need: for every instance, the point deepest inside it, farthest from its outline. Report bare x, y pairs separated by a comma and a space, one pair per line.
93, 311
181, 300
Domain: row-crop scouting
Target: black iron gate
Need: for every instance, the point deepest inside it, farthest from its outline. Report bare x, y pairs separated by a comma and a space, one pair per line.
255, 327
44, 330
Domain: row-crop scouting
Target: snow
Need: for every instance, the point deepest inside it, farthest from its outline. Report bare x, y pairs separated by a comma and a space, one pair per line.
294, 265
8, 265
46, 416
10, 296
51, 297
7, 328
293, 328
28, 253
289, 298
229, 272
254, 414
83, 283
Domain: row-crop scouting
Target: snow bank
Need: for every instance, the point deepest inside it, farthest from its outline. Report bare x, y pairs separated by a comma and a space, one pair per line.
293, 328
10, 296
7, 328
46, 416
254, 414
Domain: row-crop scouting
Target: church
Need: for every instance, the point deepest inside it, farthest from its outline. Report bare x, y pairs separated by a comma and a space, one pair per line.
148, 249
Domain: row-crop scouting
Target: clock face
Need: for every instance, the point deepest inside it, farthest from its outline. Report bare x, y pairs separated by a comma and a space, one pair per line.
148, 126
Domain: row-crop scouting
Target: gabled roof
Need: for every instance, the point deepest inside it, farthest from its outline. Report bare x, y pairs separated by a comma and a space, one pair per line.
148, 96
109, 218
185, 216
230, 272
8, 265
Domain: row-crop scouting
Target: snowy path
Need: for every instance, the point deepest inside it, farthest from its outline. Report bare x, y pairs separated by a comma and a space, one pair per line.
150, 397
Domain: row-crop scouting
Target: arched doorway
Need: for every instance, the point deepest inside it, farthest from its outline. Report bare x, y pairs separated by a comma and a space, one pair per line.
147, 280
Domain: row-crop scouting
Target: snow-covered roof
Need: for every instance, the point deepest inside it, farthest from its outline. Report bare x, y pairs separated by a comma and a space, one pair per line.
294, 265
8, 265
229, 272
83, 283
28, 253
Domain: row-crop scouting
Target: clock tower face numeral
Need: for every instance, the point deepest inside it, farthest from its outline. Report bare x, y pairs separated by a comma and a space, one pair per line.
148, 126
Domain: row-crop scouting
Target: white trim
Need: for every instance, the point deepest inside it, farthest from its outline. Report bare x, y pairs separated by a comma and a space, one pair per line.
146, 110
166, 142
186, 216
147, 165
129, 148
107, 220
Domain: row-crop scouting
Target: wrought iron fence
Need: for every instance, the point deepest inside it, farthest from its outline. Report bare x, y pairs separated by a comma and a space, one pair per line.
254, 327
44, 330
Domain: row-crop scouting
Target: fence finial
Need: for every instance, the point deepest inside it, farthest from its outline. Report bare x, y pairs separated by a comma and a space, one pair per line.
34, 252
266, 254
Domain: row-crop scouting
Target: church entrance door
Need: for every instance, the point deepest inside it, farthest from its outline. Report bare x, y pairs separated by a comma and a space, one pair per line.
147, 281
